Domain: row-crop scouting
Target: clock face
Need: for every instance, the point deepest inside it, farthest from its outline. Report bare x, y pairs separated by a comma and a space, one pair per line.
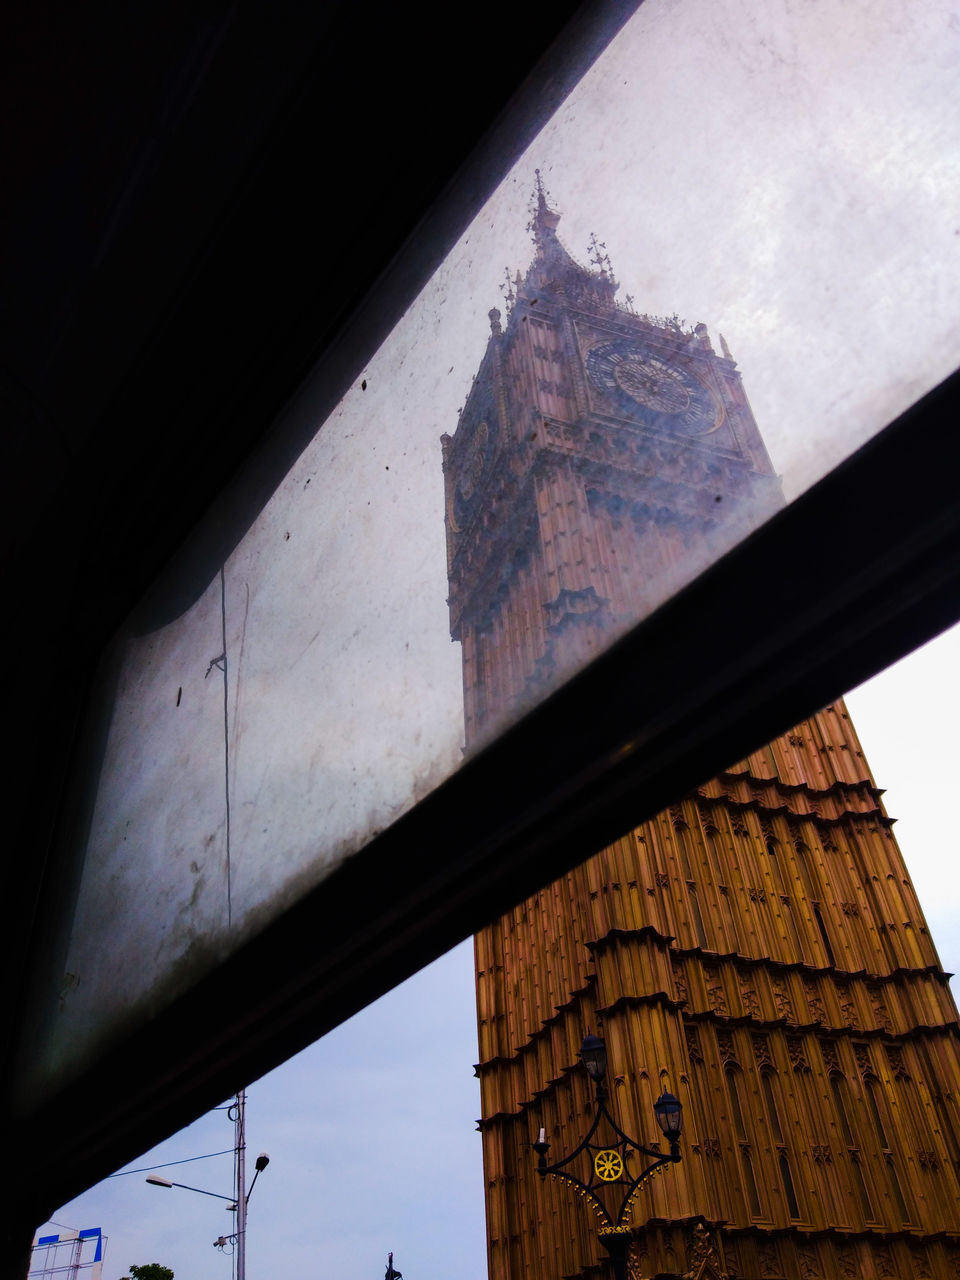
669, 395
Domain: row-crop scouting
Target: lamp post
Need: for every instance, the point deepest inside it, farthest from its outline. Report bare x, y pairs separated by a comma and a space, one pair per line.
238, 1202
156, 1181
614, 1163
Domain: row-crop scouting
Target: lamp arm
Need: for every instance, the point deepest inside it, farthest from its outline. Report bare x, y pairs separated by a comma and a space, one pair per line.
658, 1156
581, 1187
602, 1112
624, 1137
641, 1177
200, 1192
543, 1167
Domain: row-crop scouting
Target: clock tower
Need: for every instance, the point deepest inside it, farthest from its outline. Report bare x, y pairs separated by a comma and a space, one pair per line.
756, 950
602, 458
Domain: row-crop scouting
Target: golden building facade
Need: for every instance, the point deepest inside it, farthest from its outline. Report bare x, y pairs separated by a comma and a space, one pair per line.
758, 949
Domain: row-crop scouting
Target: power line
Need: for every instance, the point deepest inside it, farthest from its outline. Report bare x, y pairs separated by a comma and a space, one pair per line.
170, 1163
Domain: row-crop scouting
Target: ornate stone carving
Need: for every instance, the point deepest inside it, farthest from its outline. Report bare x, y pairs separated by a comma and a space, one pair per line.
798, 1057
718, 1000
814, 1003
831, 1059
679, 980
848, 1009
919, 1261
702, 1259
711, 1147
769, 1259
928, 1160
883, 1260
750, 1000
757, 895
694, 1050
849, 908
894, 1054
728, 1052
710, 827
782, 1001
677, 818
879, 1008
861, 1053
847, 1259
761, 1052
732, 1259
637, 1261
821, 1154
715, 992
662, 879
809, 1262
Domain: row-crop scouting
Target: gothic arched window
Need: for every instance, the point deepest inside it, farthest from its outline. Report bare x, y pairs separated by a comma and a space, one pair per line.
877, 1107
782, 884
841, 1101
733, 1078
771, 1086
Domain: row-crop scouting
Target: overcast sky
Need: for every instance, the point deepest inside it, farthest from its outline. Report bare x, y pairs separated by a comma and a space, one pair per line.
786, 174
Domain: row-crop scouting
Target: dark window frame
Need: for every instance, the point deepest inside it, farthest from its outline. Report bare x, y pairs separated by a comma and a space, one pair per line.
665, 708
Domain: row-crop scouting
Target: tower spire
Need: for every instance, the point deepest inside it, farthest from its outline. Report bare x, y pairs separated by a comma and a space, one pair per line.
543, 220
553, 270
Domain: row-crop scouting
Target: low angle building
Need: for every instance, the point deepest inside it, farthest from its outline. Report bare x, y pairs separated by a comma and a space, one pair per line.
757, 949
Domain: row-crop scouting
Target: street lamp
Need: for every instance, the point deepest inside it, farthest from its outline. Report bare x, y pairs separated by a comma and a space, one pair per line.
237, 1203
613, 1163
593, 1055
669, 1113
156, 1181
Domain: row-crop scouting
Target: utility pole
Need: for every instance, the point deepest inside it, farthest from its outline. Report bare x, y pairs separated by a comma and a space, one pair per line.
237, 1112
241, 1148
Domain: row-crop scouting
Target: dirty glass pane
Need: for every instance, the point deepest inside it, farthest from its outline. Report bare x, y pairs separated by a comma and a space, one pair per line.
729, 259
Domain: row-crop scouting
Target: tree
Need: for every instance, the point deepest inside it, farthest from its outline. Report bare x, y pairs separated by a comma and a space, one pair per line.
149, 1271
